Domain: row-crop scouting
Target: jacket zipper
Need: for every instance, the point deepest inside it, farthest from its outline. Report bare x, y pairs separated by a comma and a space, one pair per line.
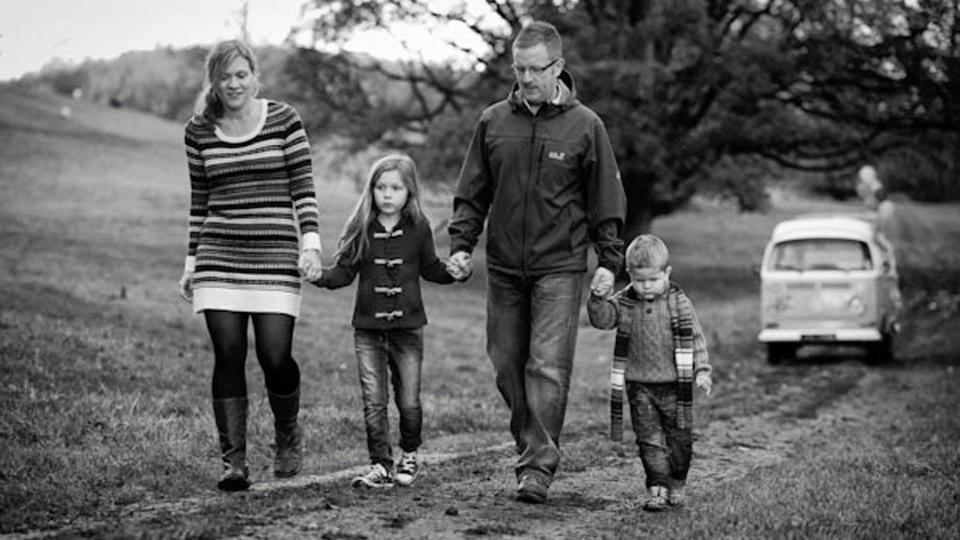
531, 180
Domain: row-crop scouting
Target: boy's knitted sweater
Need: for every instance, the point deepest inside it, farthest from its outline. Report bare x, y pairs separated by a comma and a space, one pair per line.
388, 292
650, 358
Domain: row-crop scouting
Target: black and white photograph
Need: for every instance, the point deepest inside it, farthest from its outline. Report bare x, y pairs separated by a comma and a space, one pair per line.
456, 269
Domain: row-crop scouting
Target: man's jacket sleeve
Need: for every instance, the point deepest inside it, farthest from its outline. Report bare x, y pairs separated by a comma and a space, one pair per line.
473, 195
606, 201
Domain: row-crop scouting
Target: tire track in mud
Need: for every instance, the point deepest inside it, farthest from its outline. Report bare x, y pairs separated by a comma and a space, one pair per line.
598, 484
468, 494
192, 505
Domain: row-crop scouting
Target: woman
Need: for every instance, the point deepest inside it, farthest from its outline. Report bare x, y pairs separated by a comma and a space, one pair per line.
251, 184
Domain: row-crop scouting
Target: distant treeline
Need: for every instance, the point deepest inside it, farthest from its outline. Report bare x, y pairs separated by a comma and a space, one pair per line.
338, 98
167, 80
164, 82
335, 98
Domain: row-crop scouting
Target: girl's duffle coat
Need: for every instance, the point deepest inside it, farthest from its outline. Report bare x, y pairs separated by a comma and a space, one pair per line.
388, 292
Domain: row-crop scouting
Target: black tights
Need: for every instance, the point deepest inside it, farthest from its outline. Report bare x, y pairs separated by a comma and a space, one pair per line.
273, 334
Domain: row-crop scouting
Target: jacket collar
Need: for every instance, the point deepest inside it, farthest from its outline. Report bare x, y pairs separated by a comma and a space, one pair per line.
632, 294
567, 98
378, 227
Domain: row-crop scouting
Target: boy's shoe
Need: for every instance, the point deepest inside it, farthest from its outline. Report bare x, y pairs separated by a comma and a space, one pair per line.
532, 488
407, 469
676, 497
376, 477
657, 500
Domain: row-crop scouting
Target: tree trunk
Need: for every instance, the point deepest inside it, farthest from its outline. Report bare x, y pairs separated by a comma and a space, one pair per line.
639, 210
640, 204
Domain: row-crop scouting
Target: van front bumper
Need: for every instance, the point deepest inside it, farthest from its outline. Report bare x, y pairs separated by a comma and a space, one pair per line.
818, 335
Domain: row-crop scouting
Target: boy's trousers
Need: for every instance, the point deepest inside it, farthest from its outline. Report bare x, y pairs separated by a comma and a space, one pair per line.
665, 449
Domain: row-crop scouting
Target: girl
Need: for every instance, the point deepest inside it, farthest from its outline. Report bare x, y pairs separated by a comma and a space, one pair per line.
388, 241
251, 185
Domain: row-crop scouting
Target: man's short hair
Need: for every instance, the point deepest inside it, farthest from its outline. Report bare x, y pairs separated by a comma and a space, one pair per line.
647, 251
538, 32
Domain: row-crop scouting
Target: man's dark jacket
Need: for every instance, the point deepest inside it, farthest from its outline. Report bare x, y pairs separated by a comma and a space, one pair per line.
548, 183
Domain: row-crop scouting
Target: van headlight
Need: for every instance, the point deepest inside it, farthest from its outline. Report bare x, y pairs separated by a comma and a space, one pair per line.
856, 305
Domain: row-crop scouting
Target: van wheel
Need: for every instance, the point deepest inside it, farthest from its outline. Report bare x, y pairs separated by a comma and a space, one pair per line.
881, 352
778, 352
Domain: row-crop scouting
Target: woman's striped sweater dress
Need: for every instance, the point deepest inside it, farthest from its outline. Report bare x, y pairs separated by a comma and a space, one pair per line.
249, 194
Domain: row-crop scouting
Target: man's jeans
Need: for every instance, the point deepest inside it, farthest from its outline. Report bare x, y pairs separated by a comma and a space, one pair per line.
400, 351
664, 448
531, 337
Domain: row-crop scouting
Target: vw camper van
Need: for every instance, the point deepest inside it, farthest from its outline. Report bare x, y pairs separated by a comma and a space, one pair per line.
828, 279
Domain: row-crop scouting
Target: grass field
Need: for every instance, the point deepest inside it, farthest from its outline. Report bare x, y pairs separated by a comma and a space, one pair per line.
104, 380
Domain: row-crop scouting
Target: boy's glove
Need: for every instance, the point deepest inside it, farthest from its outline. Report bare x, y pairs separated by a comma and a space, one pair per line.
704, 382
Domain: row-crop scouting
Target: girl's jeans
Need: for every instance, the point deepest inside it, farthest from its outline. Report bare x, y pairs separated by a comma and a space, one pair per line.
665, 449
531, 337
401, 352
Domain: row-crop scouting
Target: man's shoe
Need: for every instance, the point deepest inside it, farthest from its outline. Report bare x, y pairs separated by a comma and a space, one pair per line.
407, 469
532, 488
376, 477
657, 500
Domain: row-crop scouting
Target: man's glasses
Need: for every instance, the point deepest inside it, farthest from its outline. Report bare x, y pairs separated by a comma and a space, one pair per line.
532, 70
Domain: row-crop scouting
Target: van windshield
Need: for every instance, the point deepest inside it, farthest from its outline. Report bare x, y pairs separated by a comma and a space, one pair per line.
820, 254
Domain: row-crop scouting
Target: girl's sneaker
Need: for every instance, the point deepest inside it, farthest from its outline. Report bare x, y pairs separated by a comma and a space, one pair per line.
657, 500
407, 469
676, 497
376, 477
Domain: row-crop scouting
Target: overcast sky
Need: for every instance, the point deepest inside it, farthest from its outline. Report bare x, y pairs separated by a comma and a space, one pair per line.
34, 31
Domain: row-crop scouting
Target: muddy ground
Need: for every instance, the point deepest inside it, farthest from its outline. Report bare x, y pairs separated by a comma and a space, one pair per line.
825, 398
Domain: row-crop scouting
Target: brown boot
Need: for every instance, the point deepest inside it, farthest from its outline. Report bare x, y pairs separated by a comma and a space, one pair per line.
231, 417
289, 436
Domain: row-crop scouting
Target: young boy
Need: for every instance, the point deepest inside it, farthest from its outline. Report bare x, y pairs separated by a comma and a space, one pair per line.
660, 351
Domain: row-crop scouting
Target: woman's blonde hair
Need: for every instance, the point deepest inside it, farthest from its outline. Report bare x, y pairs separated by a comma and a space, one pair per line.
209, 107
353, 242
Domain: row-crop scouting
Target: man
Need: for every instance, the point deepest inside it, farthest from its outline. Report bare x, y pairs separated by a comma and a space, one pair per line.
541, 171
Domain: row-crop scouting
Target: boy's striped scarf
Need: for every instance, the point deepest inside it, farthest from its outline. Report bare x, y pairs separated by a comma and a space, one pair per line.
681, 324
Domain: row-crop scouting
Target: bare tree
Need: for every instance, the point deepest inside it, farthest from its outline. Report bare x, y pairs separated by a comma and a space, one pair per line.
691, 90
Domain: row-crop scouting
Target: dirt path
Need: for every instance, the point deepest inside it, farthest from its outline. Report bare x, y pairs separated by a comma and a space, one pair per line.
471, 494
597, 487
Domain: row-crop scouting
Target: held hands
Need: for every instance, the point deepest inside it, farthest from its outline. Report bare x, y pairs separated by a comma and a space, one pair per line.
460, 265
602, 282
704, 382
186, 286
311, 267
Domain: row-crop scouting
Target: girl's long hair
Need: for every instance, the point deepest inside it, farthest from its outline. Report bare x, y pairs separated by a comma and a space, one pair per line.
353, 242
208, 107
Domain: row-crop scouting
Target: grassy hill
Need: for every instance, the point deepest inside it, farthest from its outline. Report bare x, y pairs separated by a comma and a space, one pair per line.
104, 378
